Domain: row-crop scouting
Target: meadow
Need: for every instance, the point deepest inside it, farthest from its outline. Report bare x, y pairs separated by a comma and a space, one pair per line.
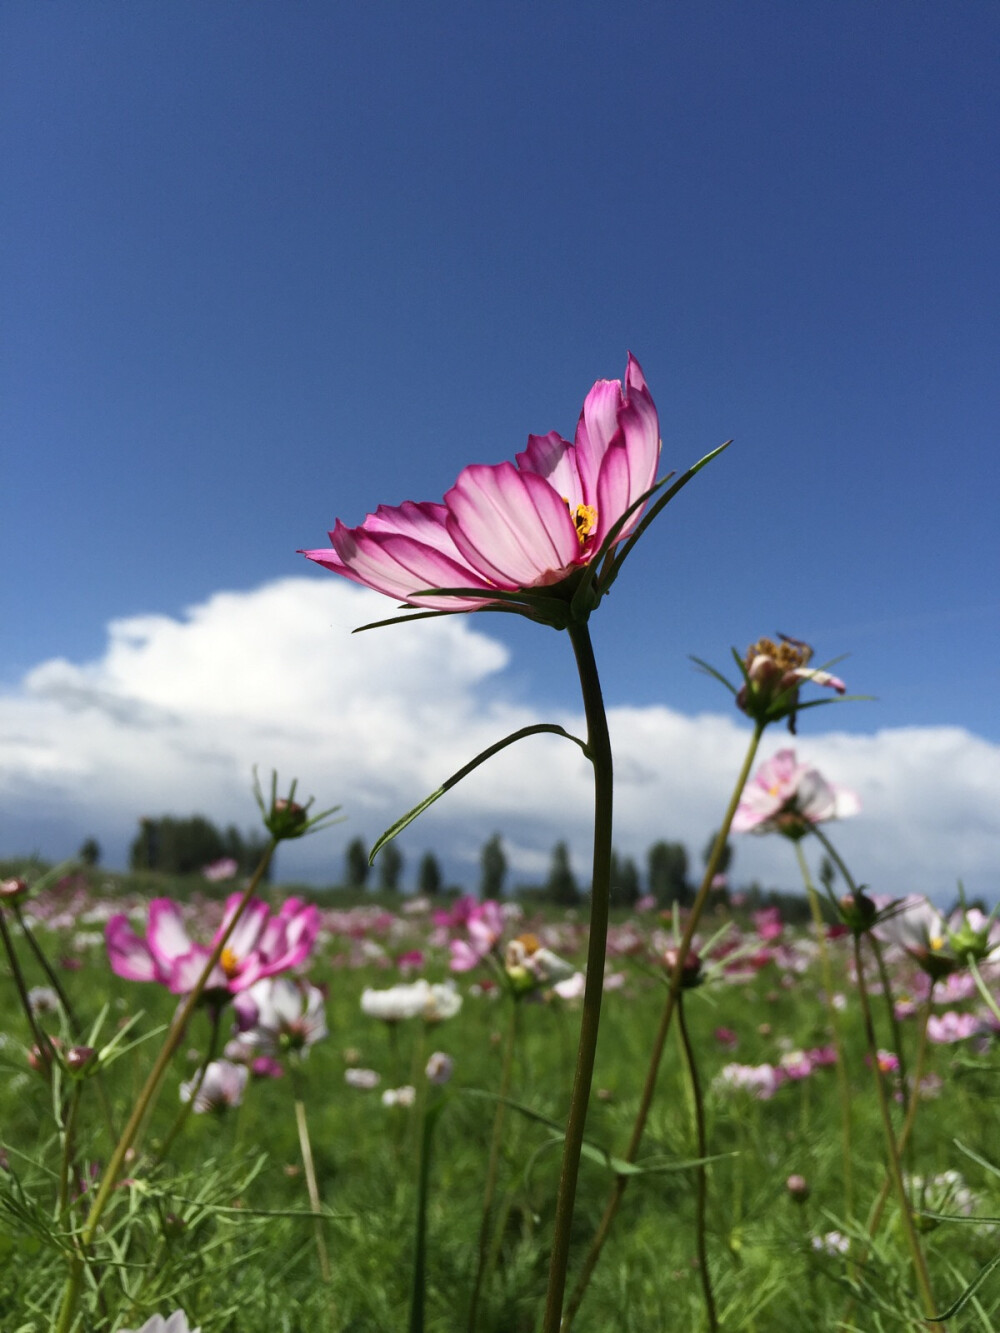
220, 1225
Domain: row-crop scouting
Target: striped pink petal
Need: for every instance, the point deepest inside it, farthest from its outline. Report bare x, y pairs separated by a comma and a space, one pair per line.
512, 526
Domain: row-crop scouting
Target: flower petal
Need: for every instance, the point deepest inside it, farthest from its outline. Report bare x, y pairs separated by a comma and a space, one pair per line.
166, 934
511, 526
554, 459
129, 956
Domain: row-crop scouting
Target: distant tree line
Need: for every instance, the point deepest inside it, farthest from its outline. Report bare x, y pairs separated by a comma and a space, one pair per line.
186, 846
667, 881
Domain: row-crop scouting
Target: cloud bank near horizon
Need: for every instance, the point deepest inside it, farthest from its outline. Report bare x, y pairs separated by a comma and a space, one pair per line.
173, 716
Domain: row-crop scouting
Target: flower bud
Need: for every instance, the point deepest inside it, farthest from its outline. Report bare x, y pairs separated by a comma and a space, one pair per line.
78, 1058
691, 971
798, 1188
287, 819
440, 1068
12, 889
857, 912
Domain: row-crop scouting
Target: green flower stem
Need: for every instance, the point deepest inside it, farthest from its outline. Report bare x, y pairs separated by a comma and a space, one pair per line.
145, 1101
493, 1165
656, 1055
67, 1133
215, 1015
701, 1178
72, 1020
898, 1046
41, 1039
843, 1086
892, 1148
419, 1289
878, 1207
599, 746
51, 974
309, 1167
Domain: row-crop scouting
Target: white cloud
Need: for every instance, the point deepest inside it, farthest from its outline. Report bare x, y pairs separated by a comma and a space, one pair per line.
175, 714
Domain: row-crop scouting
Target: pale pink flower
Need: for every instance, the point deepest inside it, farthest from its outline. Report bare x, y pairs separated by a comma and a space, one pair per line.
947, 1028
484, 928
277, 1015
217, 871
261, 945
761, 1081
787, 797
506, 528
222, 1087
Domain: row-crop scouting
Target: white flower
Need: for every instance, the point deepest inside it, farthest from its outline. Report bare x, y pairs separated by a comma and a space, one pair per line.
176, 1323
404, 1096
361, 1078
417, 999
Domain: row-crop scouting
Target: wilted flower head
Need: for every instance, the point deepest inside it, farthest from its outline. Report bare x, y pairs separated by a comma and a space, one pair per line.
176, 1323
222, 1087
787, 797
261, 945
506, 530
277, 1015
772, 675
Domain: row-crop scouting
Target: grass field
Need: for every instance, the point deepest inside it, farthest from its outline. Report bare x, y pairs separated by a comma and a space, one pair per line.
222, 1227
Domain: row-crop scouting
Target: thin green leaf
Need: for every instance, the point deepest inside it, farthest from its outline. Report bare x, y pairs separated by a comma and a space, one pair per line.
402, 620
593, 1151
538, 729
967, 1294
711, 671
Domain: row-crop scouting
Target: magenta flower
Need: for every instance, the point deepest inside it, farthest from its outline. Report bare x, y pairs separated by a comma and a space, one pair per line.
787, 797
506, 529
261, 945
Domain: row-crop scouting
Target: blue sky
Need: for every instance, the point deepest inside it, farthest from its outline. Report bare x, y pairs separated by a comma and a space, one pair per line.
269, 265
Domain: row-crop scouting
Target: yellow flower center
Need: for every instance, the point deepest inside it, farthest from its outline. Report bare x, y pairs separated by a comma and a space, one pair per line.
530, 943
936, 942
229, 963
584, 519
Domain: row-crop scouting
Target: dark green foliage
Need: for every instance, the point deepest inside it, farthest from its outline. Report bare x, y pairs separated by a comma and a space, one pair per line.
390, 868
90, 852
429, 879
668, 869
173, 846
561, 886
493, 864
625, 889
356, 864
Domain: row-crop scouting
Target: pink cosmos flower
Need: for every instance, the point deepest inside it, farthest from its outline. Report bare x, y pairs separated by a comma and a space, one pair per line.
261, 945
276, 1015
509, 528
787, 797
484, 927
952, 1026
